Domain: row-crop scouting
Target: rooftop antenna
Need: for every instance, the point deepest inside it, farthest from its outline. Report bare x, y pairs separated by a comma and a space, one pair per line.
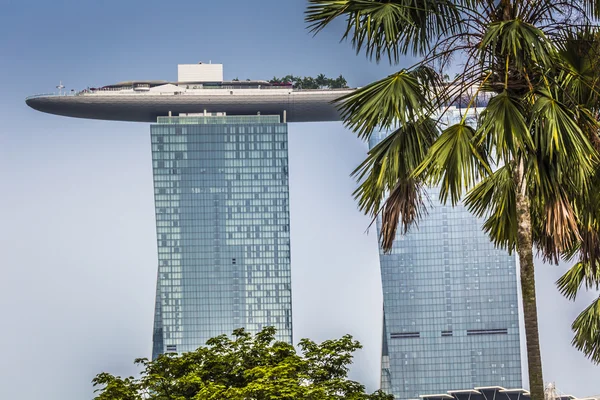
60, 87
552, 393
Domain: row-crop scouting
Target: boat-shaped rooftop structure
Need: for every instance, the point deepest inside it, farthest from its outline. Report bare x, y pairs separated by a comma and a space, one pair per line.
199, 90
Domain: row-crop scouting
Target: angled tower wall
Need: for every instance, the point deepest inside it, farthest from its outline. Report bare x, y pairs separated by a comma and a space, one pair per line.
222, 220
450, 305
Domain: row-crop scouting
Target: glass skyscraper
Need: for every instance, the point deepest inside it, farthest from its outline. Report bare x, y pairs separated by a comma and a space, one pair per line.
450, 306
222, 222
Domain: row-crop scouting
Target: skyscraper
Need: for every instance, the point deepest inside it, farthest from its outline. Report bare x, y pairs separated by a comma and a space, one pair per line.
221, 194
222, 223
222, 216
450, 305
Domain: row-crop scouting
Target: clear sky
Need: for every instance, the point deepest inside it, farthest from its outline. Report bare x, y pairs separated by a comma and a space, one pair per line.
78, 238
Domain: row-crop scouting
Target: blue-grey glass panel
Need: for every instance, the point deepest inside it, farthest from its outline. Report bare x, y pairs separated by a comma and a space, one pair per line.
222, 217
450, 306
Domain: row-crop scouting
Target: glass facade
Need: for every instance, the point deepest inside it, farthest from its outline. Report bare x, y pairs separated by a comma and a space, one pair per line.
450, 306
222, 223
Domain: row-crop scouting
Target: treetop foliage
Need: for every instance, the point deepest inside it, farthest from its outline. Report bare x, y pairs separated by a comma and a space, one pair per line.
244, 367
307, 82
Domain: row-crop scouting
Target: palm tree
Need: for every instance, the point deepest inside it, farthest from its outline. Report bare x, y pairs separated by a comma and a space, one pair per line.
339, 83
581, 55
321, 80
529, 165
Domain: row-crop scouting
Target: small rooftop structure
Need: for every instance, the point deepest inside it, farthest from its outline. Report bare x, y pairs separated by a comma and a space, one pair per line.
200, 72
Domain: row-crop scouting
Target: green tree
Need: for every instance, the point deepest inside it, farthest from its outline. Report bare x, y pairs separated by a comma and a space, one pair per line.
290, 79
580, 52
308, 82
322, 81
244, 367
530, 165
338, 83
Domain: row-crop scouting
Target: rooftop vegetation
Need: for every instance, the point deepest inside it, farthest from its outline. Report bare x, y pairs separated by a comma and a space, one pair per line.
308, 82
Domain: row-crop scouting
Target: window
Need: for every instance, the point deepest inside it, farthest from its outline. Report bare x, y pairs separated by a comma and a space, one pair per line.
473, 332
404, 335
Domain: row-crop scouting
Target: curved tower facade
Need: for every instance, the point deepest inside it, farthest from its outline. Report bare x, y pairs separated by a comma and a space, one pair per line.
222, 225
450, 302
223, 235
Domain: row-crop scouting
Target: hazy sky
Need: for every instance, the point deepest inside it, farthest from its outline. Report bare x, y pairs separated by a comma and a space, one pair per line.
78, 238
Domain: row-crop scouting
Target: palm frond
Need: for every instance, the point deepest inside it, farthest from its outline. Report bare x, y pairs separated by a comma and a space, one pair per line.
493, 198
455, 162
587, 205
503, 124
556, 131
578, 275
385, 104
559, 226
404, 206
565, 156
392, 161
513, 47
554, 219
387, 28
587, 332
592, 7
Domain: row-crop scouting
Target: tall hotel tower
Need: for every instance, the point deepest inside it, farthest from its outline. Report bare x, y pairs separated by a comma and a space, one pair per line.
219, 153
220, 163
222, 222
450, 305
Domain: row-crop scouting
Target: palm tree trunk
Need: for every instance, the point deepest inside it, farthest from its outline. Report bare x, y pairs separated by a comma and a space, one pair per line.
525, 251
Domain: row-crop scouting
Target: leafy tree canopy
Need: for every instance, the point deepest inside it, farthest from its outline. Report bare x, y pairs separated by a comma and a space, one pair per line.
307, 82
244, 367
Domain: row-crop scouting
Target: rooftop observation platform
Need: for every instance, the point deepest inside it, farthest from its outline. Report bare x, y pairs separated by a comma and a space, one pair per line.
199, 90
144, 101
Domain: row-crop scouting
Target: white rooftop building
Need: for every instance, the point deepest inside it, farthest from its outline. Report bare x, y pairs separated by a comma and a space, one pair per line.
200, 72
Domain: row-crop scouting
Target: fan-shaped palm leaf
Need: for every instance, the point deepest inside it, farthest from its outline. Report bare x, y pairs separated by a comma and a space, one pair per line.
504, 125
384, 104
556, 134
388, 169
388, 28
580, 274
494, 198
513, 49
587, 331
455, 162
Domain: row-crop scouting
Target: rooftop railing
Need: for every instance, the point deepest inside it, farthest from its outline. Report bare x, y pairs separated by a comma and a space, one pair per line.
51, 94
219, 119
184, 91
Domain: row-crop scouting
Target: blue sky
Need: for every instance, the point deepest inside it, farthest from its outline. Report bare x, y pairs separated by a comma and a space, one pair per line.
78, 240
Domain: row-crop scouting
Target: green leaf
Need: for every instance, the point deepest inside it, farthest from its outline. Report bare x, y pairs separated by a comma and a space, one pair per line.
522, 43
242, 367
393, 159
494, 198
503, 126
578, 275
587, 332
557, 134
388, 28
454, 162
385, 104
